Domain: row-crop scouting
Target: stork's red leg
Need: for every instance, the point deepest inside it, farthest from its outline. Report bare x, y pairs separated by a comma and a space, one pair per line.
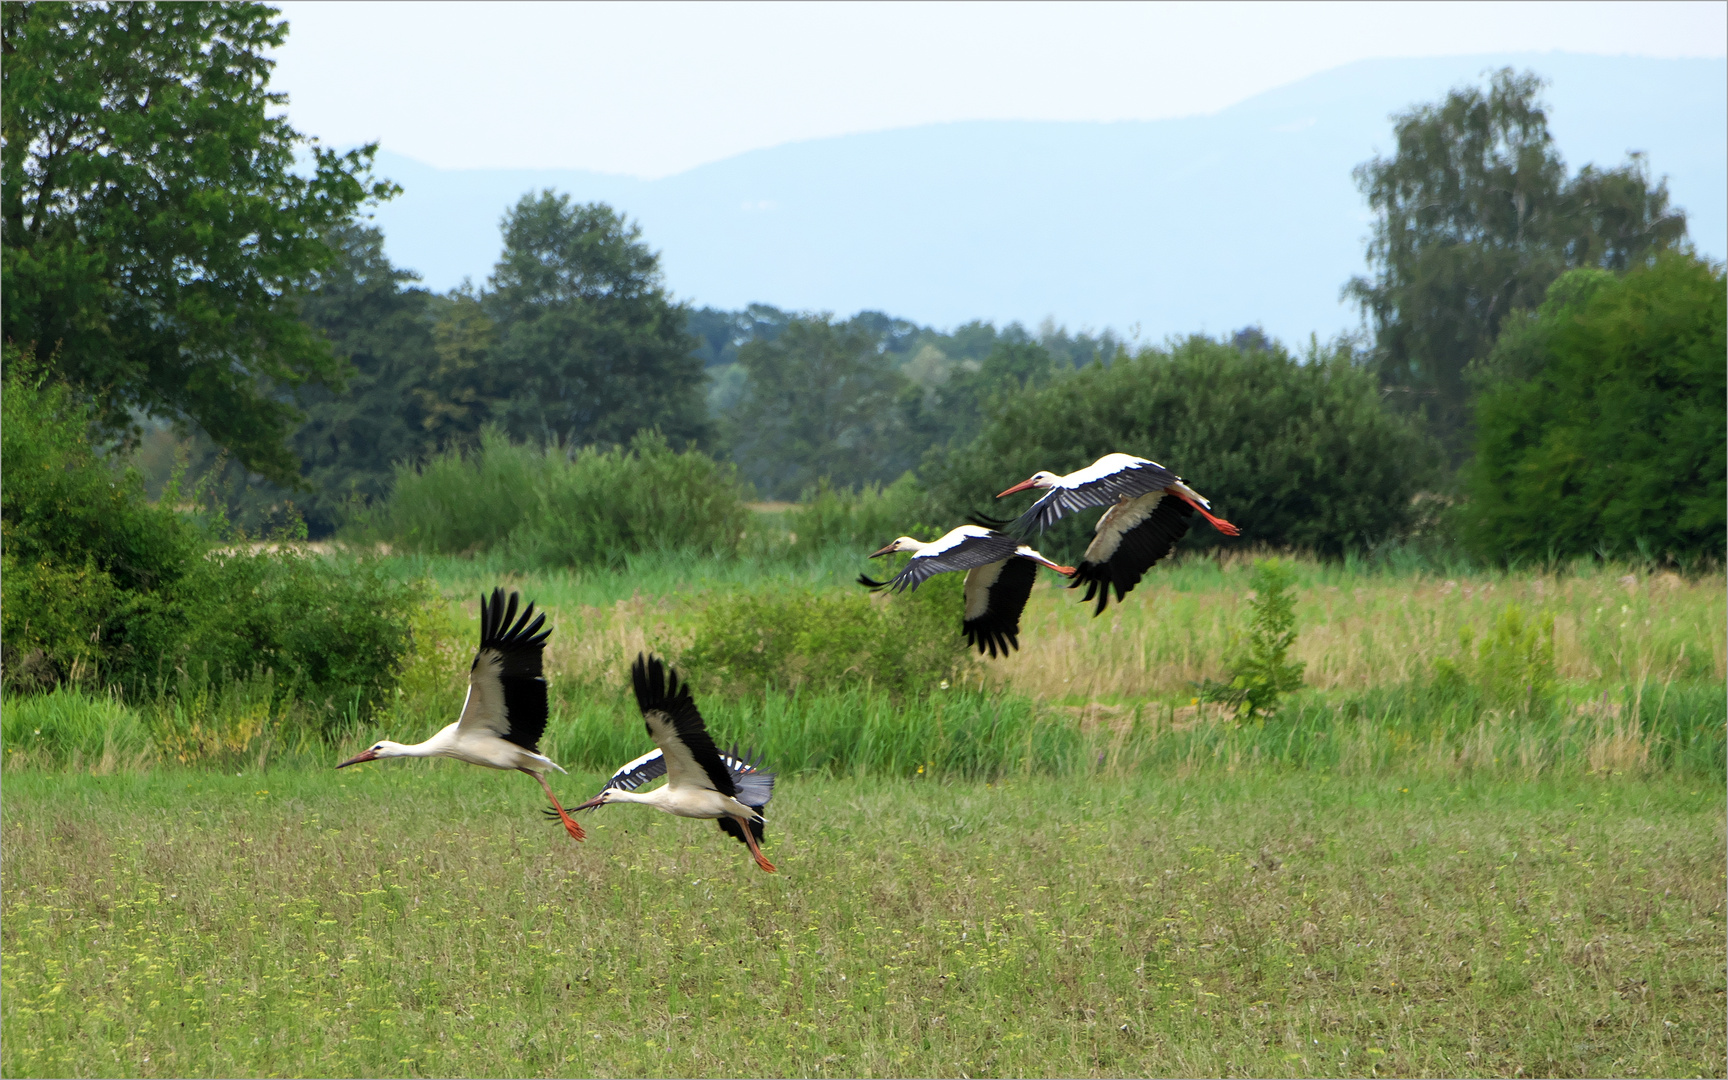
1217, 522
750, 838
570, 825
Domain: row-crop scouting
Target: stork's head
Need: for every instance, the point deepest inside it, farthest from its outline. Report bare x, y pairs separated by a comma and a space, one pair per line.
383, 748
904, 543
1039, 479
597, 801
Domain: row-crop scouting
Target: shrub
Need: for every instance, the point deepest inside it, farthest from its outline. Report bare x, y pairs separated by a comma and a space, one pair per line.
547, 507
100, 585
1511, 668
792, 639
1260, 669
1600, 424
1296, 452
330, 631
867, 518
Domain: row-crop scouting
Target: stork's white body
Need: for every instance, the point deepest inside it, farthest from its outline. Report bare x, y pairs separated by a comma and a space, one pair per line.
478, 747
505, 711
999, 575
701, 782
1147, 509
690, 802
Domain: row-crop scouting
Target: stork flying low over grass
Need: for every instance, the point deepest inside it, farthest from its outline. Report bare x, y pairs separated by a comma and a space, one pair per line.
999, 569
701, 782
1150, 508
505, 713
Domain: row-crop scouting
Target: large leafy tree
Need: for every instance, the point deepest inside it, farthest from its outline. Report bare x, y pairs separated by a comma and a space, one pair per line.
589, 344
382, 327
820, 400
1475, 217
1600, 426
155, 225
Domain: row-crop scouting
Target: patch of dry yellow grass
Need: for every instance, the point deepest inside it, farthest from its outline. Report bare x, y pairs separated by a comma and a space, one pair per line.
1356, 630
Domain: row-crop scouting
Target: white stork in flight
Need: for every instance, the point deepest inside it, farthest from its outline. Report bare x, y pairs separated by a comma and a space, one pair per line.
1150, 508
701, 782
999, 569
505, 712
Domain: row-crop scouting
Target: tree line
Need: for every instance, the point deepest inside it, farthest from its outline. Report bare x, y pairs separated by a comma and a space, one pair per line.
165, 260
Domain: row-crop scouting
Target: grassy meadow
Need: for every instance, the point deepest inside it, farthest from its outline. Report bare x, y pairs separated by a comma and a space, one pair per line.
1057, 864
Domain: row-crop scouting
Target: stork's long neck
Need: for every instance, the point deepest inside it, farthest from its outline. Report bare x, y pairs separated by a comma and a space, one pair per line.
440, 743
655, 798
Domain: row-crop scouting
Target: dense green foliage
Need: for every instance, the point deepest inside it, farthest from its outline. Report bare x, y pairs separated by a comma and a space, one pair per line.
79, 539
861, 520
859, 401
382, 328
156, 223
102, 587
819, 402
1474, 218
798, 639
1600, 422
595, 349
1293, 452
550, 507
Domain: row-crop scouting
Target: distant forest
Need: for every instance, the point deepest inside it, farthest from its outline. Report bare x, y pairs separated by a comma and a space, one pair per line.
793, 398
1540, 367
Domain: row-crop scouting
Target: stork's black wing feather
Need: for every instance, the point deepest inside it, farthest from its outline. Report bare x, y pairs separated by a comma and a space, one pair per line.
997, 627
1138, 550
520, 643
971, 552
658, 690
516, 643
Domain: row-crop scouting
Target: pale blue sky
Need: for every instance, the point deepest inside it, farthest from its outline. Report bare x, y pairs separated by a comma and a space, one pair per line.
651, 90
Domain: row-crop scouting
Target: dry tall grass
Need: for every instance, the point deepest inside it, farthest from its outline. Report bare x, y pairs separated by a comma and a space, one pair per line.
1357, 630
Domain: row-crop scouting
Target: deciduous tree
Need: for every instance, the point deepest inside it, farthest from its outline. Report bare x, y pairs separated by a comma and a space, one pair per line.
1475, 217
155, 224
589, 345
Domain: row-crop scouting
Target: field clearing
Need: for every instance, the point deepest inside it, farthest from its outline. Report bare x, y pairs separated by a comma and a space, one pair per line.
421, 920
1380, 880
1357, 628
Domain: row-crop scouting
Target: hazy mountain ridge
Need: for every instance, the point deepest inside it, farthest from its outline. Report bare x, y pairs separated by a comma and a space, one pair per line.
1205, 223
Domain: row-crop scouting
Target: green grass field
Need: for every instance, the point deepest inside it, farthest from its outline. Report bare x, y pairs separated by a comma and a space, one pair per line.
1059, 866
422, 920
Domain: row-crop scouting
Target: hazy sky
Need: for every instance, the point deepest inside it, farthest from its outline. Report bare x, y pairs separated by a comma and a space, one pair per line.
654, 89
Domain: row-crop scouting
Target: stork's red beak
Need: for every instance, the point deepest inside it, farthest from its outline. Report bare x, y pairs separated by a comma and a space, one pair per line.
597, 800
365, 755
889, 550
1021, 486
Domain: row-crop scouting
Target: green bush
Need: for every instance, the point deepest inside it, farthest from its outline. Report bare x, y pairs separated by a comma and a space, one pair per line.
1600, 421
1510, 668
796, 639
546, 507
865, 519
80, 541
1296, 452
100, 586
331, 631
